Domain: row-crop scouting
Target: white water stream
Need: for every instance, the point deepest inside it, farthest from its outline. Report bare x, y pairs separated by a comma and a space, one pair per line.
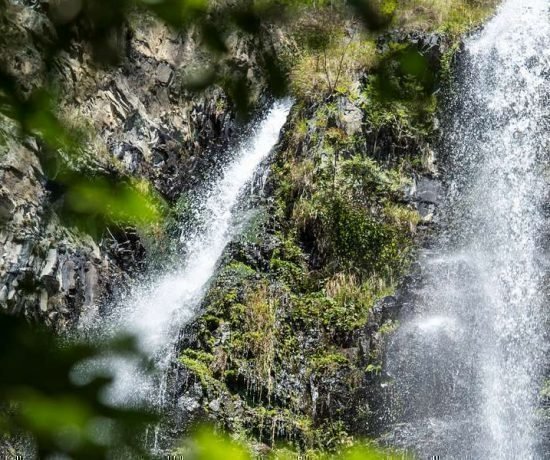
155, 312
469, 359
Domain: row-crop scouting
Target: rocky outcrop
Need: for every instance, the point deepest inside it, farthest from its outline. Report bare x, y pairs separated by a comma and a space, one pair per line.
47, 272
135, 120
290, 342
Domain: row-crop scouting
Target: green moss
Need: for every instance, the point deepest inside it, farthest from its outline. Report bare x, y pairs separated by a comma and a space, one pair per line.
252, 344
289, 273
282, 427
388, 327
446, 66
212, 322
327, 362
237, 270
198, 362
227, 291
375, 369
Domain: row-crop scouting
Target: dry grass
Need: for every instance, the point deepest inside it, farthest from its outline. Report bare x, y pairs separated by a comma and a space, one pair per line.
335, 65
402, 216
259, 327
321, 72
448, 15
345, 288
356, 296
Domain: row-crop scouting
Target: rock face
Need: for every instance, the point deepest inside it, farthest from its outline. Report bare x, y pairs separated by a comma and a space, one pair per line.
142, 123
47, 272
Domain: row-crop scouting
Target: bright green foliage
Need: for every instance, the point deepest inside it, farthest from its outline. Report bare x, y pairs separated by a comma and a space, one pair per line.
205, 444
199, 363
40, 396
388, 7
121, 201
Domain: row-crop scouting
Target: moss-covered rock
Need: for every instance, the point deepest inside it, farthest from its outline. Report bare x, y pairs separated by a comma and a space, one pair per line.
289, 324
293, 326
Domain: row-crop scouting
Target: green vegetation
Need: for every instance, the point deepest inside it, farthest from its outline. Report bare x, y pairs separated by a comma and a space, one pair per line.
205, 444
334, 51
39, 395
453, 17
341, 238
332, 45
340, 233
284, 322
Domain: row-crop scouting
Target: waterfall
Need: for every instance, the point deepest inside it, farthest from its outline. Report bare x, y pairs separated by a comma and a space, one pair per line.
467, 363
156, 311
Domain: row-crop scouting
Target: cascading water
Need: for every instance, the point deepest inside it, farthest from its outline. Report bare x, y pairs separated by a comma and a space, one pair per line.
468, 360
155, 312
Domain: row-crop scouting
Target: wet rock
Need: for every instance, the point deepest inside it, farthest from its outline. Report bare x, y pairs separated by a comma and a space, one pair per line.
426, 194
44, 300
3, 294
91, 287
68, 276
188, 404
214, 405
426, 211
141, 119
428, 191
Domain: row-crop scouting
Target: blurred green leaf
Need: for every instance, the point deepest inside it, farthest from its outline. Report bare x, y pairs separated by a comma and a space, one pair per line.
276, 76
62, 416
205, 444
374, 14
200, 79
178, 13
404, 74
118, 201
90, 201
